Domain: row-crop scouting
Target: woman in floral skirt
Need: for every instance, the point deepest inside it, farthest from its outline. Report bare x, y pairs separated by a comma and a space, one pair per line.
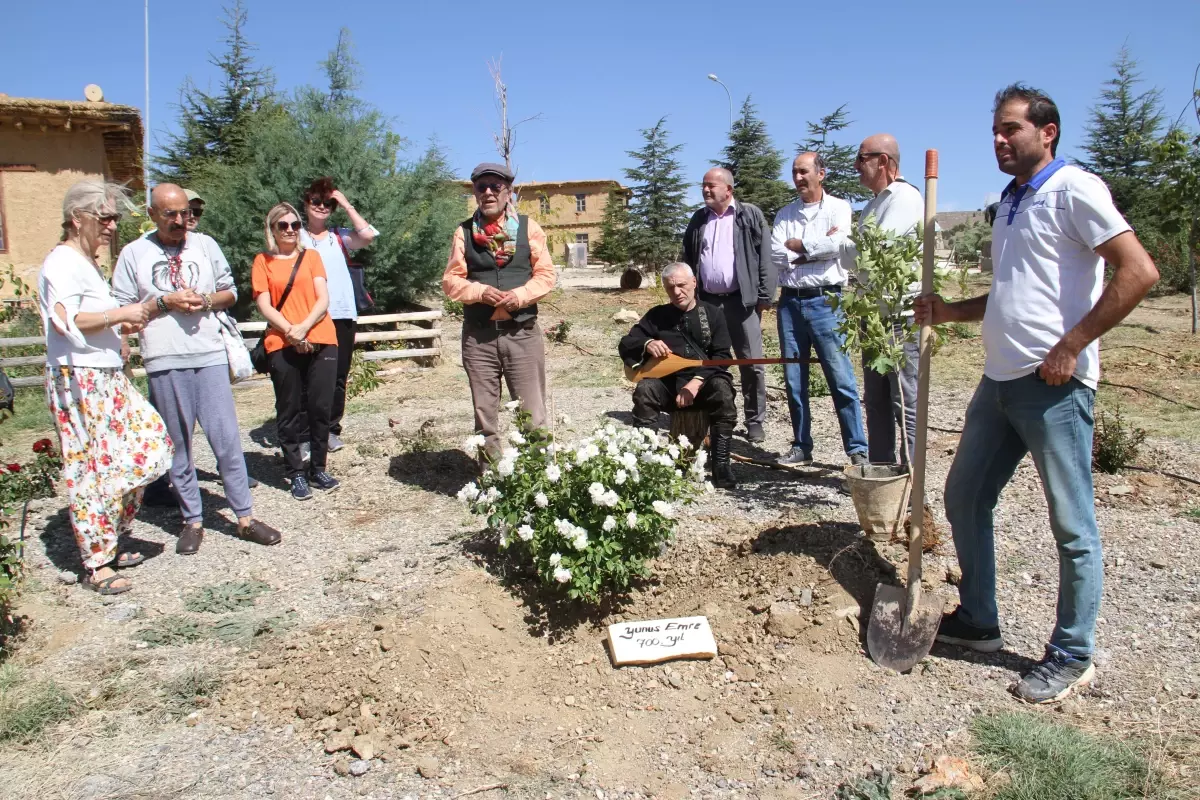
113, 441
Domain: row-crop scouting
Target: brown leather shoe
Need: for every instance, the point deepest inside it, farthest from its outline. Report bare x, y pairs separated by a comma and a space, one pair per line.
189, 539
259, 533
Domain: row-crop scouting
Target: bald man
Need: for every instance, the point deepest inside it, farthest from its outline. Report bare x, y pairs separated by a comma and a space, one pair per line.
897, 208
186, 279
728, 246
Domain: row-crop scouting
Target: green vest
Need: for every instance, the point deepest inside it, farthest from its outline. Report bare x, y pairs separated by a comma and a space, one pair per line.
481, 267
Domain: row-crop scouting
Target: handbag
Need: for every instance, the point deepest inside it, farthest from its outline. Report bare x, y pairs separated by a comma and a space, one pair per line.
258, 356
241, 368
363, 302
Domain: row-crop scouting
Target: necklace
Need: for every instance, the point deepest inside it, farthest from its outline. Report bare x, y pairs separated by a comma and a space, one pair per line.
174, 263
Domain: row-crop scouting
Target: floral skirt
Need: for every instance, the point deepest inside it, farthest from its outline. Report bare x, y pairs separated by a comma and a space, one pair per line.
113, 445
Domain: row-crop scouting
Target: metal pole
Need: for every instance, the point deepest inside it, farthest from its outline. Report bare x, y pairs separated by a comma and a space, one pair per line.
146, 132
728, 97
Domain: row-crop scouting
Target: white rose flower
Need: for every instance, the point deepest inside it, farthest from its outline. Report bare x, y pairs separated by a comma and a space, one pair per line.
678, 473
673, 451
581, 455
552, 448
621, 477
592, 450
631, 519
468, 493
684, 442
609, 499
555, 559
515, 437
553, 473
596, 489
473, 443
634, 475
611, 450
580, 542
541, 500
562, 574
663, 509
525, 532
628, 460
505, 467
609, 523
492, 495
610, 429
701, 458
512, 405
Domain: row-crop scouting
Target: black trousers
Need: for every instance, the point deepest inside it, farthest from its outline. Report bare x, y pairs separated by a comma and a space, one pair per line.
303, 401
346, 331
653, 395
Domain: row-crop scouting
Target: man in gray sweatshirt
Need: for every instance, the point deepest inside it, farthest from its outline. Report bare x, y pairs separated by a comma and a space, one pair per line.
186, 277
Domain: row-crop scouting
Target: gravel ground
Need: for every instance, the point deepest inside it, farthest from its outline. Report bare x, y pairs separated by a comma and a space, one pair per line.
396, 620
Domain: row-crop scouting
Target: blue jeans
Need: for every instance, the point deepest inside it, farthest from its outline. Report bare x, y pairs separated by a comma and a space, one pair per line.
810, 324
1006, 420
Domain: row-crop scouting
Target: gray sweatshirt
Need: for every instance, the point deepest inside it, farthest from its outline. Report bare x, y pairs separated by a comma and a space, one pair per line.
175, 340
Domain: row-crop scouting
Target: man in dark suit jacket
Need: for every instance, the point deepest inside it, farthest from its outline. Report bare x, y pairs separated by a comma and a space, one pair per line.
728, 245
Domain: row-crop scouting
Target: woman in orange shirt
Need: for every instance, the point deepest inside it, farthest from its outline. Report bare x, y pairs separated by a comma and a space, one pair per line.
301, 345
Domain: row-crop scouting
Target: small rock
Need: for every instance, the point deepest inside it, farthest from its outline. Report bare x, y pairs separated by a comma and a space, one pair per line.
806, 597
428, 767
327, 724
1157, 564
745, 673
363, 746
68, 578
949, 772
387, 642
954, 575
737, 716
1123, 489
338, 740
359, 768
675, 680
569, 700
626, 316
341, 767
123, 612
785, 620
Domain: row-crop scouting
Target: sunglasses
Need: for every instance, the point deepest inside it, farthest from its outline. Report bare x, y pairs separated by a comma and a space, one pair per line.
284, 227
197, 212
497, 188
329, 204
861, 157
109, 219
183, 213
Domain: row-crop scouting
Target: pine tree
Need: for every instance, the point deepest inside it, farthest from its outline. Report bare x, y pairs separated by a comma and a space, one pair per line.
659, 211
342, 70
613, 247
841, 179
215, 127
755, 163
1122, 135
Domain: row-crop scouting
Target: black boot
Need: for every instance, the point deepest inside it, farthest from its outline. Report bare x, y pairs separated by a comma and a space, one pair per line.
722, 472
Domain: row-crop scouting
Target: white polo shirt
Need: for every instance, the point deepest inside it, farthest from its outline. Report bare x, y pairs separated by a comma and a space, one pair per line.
1047, 276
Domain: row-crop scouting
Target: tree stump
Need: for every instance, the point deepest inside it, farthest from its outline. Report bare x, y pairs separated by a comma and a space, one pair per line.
692, 423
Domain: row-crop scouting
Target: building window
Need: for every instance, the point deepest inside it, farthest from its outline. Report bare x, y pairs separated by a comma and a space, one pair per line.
581, 202
544, 204
581, 238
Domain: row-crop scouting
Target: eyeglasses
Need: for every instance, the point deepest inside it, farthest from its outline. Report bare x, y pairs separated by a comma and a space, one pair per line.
172, 213
284, 227
497, 188
108, 219
329, 203
861, 157
197, 212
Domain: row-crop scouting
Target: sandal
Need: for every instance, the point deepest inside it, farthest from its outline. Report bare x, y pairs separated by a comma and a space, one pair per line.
104, 586
127, 560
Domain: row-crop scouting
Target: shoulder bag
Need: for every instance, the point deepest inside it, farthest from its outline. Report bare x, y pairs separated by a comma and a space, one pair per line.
258, 356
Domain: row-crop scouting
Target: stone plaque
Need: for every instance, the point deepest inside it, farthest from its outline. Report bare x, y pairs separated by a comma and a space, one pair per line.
656, 640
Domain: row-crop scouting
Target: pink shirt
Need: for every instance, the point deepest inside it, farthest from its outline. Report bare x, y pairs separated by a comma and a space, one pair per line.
717, 275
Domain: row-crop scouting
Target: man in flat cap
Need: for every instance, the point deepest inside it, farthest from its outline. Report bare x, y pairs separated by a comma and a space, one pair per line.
499, 268
196, 206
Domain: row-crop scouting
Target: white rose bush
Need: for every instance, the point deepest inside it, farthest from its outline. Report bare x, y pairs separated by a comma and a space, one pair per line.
590, 516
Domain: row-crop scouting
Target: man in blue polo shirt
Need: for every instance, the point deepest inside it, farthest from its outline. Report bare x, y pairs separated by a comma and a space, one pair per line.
1055, 228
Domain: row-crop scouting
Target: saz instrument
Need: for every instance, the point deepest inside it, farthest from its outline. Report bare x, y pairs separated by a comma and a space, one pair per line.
670, 364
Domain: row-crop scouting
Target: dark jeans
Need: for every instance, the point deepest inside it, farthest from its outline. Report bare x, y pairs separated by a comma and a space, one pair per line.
881, 397
346, 330
653, 395
304, 390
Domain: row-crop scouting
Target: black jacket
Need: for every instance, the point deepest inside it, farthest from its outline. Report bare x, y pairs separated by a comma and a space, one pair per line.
756, 275
683, 332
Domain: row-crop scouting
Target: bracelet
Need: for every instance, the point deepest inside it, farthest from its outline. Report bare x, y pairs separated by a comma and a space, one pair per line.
107, 324
207, 302
162, 304
366, 227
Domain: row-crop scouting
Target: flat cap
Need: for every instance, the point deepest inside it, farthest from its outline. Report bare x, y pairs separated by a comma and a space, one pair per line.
491, 168
191, 195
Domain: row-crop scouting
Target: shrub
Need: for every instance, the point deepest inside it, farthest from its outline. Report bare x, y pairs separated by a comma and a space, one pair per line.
18, 485
588, 517
1116, 443
363, 377
559, 331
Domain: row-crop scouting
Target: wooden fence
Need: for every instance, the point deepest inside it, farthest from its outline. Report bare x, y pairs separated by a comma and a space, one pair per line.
424, 328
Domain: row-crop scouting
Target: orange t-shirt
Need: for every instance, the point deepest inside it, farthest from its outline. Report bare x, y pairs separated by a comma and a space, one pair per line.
270, 273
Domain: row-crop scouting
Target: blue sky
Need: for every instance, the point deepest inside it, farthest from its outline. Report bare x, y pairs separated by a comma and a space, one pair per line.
597, 72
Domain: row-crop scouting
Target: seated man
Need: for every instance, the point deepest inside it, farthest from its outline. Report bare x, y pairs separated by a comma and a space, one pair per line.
692, 329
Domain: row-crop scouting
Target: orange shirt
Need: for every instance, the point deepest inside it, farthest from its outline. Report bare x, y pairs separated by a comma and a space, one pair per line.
270, 273
458, 287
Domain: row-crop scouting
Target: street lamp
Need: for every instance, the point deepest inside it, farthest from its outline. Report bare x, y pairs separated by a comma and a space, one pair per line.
712, 77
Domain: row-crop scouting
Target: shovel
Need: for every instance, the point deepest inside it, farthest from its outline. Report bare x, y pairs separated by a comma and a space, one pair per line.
903, 624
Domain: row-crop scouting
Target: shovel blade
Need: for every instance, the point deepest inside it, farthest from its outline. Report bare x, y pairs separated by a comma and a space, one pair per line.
896, 639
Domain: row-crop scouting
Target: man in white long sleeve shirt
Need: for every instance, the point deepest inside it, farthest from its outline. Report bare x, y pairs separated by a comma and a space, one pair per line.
897, 207
808, 246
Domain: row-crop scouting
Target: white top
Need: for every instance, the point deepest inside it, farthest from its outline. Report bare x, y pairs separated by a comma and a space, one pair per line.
1046, 273
175, 340
70, 279
811, 223
898, 210
337, 271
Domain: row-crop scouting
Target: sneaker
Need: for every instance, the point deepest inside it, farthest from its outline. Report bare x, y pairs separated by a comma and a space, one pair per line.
335, 443
324, 481
859, 459
1054, 677
754, 432
300, 490
306, 451
796, 457
953, 630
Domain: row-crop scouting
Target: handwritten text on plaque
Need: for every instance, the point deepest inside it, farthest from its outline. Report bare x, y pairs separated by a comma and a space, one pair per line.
656, 640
